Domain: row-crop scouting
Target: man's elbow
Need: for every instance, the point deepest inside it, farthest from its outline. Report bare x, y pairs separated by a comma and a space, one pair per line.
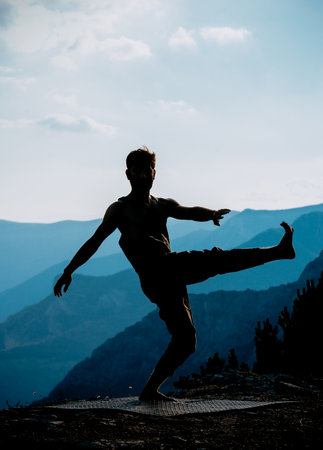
93, 244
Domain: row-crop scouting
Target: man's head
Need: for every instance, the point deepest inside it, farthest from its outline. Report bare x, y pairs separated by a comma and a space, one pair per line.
141, 169
141, 157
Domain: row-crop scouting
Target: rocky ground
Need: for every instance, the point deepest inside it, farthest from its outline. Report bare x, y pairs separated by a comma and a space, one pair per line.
291, 425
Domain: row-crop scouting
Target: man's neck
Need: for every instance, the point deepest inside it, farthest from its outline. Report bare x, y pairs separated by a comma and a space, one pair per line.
140, 196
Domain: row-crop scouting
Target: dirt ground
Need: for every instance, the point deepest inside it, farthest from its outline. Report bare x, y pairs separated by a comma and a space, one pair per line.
293, 425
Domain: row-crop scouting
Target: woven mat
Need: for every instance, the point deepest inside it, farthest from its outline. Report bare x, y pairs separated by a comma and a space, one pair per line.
180, 407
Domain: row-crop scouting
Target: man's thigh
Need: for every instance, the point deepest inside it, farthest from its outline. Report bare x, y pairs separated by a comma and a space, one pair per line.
194, 266
171, 297
175, 311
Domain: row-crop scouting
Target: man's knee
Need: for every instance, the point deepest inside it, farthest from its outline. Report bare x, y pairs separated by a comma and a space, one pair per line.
186, 341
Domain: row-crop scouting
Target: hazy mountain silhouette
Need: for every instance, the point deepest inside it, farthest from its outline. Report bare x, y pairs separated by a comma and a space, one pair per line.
223, 319
40, 286
241, 228
41, 343
308, 241
30, 248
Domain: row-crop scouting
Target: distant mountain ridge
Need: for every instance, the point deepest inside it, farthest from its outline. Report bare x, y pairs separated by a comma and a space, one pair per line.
243, 227
30, 248
40, 286
42, 342
308, 242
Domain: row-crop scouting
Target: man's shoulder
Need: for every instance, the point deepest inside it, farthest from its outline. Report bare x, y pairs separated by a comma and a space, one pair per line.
166, 205
121, 202
115, 207
168, 202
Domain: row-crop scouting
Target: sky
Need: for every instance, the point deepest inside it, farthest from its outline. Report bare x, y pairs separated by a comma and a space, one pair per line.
227, 93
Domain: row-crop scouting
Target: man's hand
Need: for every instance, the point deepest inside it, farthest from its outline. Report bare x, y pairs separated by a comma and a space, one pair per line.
218, 215
65, 280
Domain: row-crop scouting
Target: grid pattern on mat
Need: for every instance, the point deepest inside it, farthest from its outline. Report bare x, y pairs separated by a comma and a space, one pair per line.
162, 408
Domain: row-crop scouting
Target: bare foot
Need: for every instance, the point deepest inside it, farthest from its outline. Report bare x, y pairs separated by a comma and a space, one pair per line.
285, 246
155, 397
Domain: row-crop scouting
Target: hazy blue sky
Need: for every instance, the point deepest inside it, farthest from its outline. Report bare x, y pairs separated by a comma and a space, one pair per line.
228, 93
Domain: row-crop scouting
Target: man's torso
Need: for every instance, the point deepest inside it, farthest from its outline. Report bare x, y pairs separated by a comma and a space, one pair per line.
144, 236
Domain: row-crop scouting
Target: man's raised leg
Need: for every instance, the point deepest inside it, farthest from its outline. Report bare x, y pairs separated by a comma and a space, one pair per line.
246, 258
197, 266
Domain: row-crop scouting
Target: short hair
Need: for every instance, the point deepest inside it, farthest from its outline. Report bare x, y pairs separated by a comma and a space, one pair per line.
141, 156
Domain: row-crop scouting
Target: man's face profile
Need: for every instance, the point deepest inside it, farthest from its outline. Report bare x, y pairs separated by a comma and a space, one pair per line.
141, 176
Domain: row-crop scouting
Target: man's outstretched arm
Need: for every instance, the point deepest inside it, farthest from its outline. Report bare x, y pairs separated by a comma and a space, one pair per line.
197, 213
107, 226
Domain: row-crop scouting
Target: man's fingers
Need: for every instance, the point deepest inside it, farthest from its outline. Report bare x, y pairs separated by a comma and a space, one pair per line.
58, 291
218, 215
62, 283
224, 211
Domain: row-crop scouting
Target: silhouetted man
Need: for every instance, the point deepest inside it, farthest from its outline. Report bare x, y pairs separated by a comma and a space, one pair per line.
164, 275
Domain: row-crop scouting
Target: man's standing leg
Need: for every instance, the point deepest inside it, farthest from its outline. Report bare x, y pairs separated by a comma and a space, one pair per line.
176, 312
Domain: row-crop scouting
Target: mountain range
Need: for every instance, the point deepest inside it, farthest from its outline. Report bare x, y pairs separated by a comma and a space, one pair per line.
223, 320
44, 337
308, 242
30, 248
43, 342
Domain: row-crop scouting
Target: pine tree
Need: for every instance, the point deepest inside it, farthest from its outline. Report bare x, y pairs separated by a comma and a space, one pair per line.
268, 348
303, 332
232, 360
300, 352
214, 365
244, 367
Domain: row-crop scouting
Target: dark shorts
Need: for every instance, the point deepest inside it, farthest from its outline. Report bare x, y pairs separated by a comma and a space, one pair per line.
164, 283
181, 268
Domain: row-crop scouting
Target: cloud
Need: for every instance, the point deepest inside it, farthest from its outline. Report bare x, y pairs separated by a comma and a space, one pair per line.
63, 122
221, 35
83, 124
38, 27
6, 14
17, 82
18, 123
224, 35
175, 106
5, 69
124, 49
120, 48
64, 62
182, 39
122, 6
61, 5
65, 100
115, 49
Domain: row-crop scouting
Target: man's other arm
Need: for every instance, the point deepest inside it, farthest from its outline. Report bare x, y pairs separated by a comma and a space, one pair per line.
107, 226
196, 213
